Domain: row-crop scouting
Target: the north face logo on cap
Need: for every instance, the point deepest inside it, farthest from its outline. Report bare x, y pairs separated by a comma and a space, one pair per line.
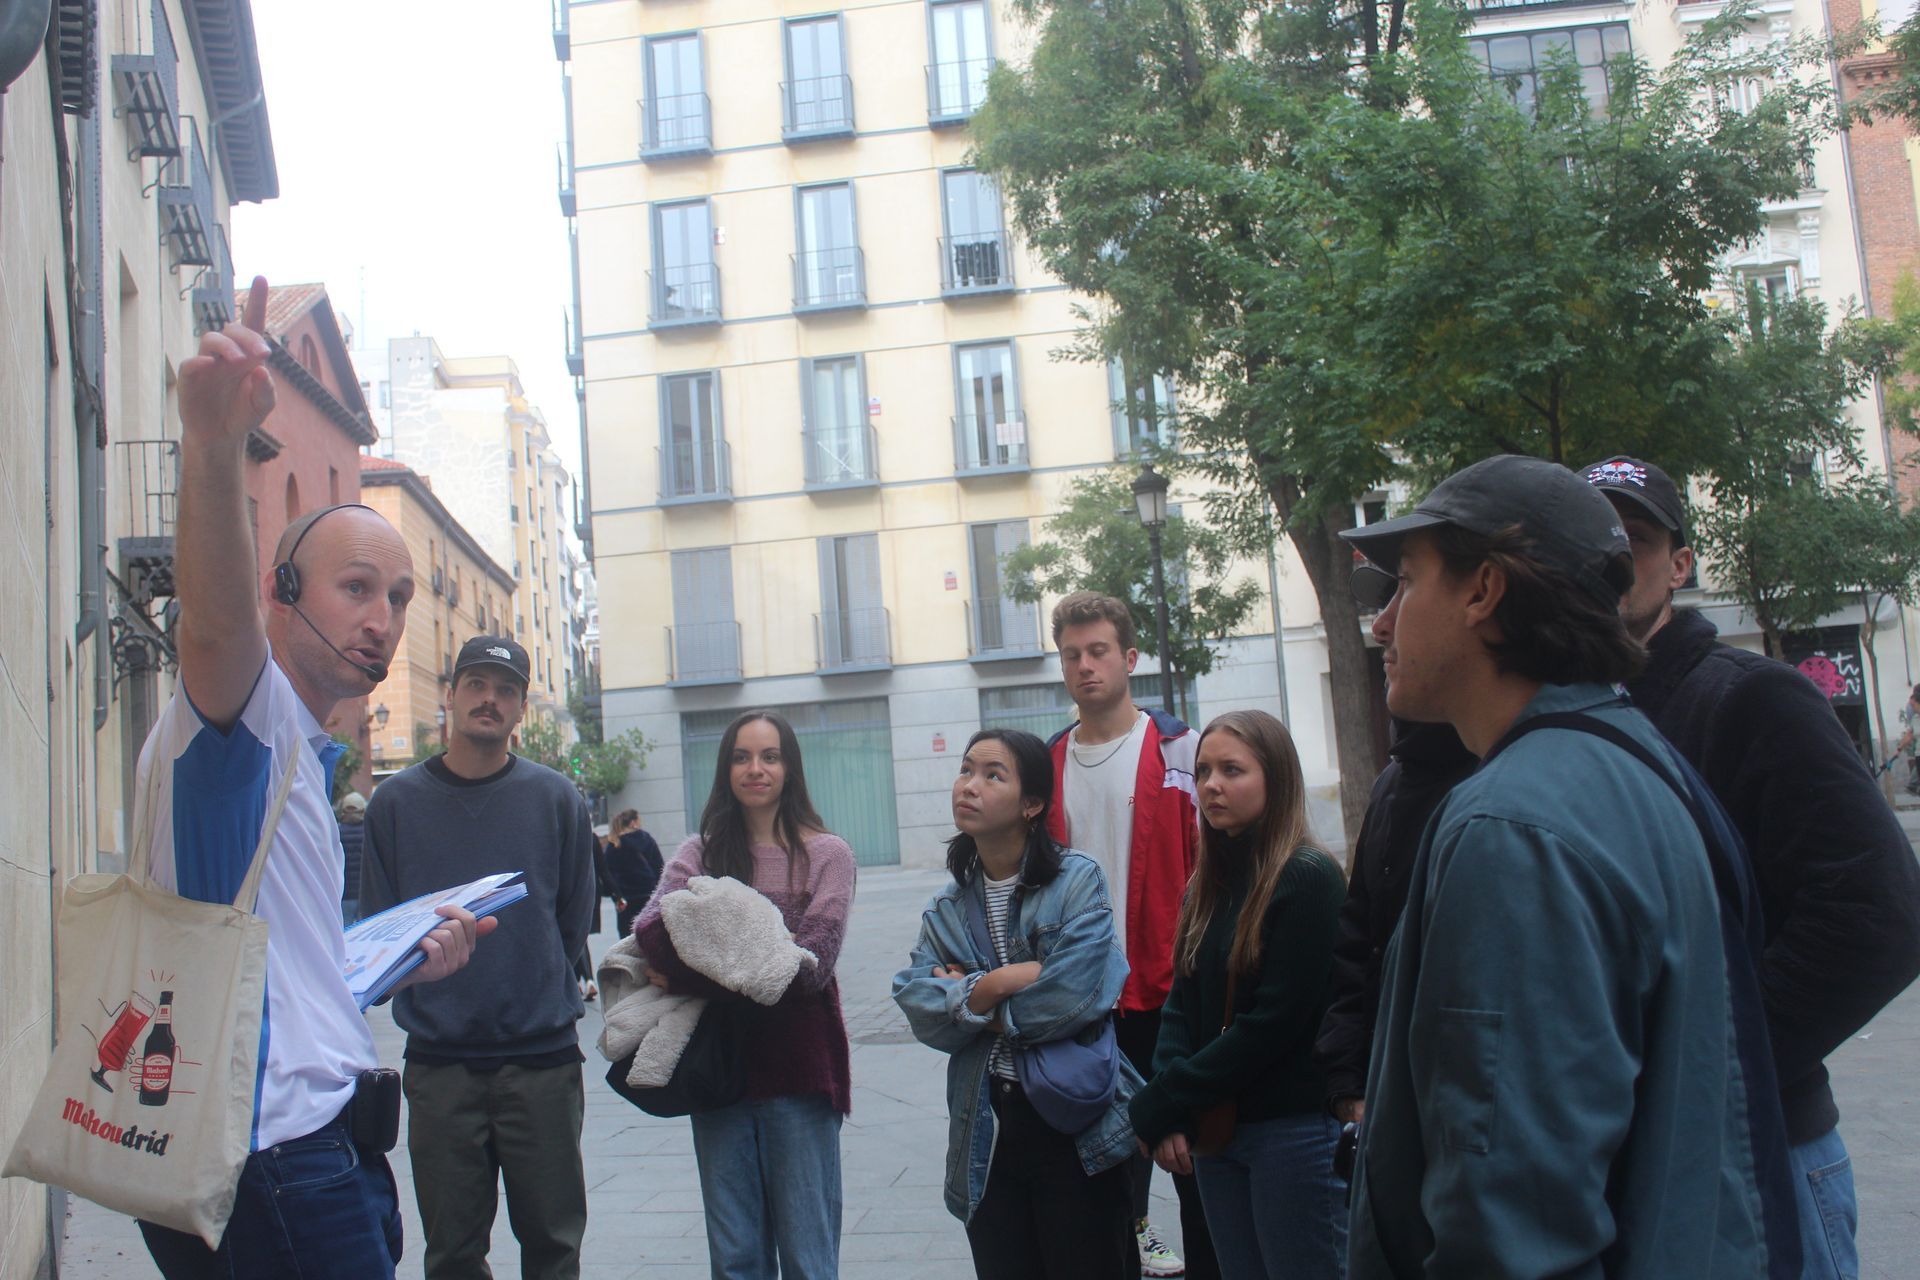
496, 651
1618, 473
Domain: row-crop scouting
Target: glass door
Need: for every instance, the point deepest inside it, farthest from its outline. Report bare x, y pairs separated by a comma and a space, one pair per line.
991, 431
829, 258
693, 450
837, 444
961, 56
684, 284
817, 93
678, 95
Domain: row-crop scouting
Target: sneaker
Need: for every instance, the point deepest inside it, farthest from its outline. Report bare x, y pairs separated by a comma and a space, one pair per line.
1156, 1259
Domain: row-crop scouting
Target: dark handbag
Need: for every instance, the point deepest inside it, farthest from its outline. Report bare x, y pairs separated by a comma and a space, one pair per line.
1213, 1126
1072, 1081
711, 1073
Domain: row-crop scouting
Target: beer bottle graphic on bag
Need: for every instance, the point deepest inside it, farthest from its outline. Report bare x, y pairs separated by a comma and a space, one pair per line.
156, 1074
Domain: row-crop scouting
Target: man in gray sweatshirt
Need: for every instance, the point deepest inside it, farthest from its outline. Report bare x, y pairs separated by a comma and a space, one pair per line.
493, 1058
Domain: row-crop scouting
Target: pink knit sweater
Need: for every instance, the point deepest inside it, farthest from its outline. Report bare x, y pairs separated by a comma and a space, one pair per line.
802, 1040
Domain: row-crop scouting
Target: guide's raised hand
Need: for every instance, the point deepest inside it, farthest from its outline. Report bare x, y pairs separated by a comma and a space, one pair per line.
225, 390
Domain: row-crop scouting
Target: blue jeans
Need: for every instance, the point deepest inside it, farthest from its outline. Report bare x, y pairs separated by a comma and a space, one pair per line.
770, 1182
1274, 1206
312, 1208
1829, 1214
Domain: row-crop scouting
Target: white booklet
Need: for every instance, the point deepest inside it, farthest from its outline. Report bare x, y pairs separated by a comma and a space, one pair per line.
383, 949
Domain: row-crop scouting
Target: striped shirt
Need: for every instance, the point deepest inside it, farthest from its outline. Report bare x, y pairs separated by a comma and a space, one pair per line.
999, 898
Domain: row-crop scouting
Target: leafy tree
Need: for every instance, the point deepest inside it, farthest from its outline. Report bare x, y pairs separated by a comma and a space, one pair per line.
1097, 543
426, 742
1358, 291
599, 767
1777, 536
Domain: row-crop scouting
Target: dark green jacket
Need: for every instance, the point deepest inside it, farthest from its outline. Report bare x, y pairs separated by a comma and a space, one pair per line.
1264, 1061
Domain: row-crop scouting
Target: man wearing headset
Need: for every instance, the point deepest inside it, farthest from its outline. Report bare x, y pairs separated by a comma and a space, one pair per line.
316, 1197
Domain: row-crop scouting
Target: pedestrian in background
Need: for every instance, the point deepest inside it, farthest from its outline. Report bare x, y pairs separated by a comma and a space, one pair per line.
1037, 1202
1235, 1060
1909, 745
351, 813
1839, 889
770, 1163
1570, 1075
633, 868
1123, 786
492, 1080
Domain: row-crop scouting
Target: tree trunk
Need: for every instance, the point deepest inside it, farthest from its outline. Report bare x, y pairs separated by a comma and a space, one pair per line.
1876, 710
1329, 566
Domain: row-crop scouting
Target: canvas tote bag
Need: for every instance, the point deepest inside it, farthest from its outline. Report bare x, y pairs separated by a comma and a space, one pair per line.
147, 1104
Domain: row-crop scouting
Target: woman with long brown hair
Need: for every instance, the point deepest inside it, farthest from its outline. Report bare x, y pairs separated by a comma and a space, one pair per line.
1236, 1096
770, 1163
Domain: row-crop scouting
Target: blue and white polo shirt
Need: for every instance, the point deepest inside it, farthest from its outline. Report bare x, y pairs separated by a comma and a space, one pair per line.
211, 801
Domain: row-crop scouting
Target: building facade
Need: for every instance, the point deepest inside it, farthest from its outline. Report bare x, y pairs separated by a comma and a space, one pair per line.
459, 592
114, 192
467, 423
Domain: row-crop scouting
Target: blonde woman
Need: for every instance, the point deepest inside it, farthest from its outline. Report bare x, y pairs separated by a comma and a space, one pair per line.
1234, 1074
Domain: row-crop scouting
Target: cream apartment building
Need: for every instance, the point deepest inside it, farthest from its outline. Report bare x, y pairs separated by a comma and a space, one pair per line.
819, 399
467, 425
96, 316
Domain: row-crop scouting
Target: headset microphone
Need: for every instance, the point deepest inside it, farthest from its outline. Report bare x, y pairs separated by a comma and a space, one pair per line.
374, 671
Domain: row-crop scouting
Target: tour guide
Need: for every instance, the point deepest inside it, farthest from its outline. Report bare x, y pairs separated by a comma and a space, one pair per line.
311, 1202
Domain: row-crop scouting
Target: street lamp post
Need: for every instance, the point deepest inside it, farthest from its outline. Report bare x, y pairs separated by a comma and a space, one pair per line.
1150, 496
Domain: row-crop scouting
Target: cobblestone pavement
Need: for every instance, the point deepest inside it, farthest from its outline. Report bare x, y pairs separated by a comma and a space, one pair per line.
644, 1198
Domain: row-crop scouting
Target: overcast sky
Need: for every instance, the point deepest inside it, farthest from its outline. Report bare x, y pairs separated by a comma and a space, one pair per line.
415, 141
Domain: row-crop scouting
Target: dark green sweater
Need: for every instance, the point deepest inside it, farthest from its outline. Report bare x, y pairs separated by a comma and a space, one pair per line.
1264, 1061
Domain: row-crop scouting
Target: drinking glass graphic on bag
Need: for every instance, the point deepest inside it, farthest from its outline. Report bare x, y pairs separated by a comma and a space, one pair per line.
116, 1047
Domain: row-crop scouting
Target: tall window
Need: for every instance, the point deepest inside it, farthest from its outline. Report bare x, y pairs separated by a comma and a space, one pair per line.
827, 268
853, 621
1519, 60
686, 282
837, 438
706, 639
819, 94
694, 457
962, 57
676, 105
1001, 626
974, 254
1142, 410
990, 431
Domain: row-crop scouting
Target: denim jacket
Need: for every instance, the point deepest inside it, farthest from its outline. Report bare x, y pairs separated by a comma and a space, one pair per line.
1067, 926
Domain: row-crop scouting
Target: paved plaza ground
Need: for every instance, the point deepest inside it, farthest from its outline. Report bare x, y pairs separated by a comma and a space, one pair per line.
644, 1197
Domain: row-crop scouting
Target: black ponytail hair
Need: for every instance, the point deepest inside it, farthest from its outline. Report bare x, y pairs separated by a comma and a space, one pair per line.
1033, 763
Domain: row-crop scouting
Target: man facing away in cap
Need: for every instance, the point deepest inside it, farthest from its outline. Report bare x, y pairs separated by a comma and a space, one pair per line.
1570, 1075
1839, 890
493, 1079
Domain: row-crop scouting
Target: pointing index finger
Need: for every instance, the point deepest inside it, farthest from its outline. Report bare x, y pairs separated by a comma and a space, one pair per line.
254, 315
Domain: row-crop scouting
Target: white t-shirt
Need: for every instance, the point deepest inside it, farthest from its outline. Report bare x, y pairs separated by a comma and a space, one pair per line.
1099, 785
210, 804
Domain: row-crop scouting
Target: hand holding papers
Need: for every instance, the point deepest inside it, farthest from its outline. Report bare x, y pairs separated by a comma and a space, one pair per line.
382, 950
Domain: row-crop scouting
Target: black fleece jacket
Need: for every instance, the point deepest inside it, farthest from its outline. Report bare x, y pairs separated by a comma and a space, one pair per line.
1839, 888
1427, 760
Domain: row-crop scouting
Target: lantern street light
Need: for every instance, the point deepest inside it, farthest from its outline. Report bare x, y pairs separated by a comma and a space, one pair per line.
1150, 496
380, 714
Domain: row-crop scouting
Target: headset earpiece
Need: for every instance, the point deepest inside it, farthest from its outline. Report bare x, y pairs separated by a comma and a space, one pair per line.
286, 583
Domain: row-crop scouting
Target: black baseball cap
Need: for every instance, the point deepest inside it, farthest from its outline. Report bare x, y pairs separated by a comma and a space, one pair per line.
1642, 483
494, 651
1573, 529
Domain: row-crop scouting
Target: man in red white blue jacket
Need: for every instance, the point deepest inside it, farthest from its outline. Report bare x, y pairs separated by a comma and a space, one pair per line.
1124, 783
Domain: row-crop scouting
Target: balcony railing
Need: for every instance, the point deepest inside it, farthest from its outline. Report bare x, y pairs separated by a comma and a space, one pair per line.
829, 279
149, 89
569, 204
955, 90
998, 627
989, 445
576, 353
677, 124
981, 262
821, 107
150, 471
684, 295
562, 30
853, 640
703, 653
213, 291
841, 457
695, 471
186, 204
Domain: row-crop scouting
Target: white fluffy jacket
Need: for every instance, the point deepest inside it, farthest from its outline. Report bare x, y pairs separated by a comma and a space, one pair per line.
723, 930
